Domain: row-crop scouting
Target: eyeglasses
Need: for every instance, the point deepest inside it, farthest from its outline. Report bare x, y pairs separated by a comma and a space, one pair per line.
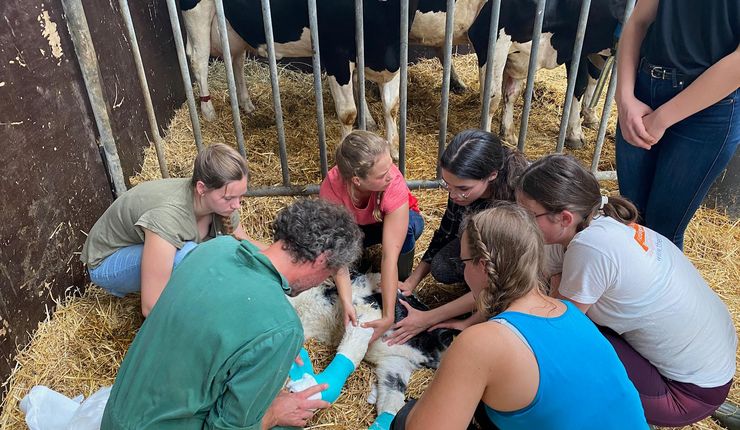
450, 189
461, 260
542, 214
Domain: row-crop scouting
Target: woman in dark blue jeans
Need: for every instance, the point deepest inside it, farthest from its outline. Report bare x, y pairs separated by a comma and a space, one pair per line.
679, 106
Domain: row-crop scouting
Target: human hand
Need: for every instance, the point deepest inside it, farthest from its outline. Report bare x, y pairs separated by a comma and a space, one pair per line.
349, 314
380, 326
406, 287
415, 322
294, 409
631, 113
654, 126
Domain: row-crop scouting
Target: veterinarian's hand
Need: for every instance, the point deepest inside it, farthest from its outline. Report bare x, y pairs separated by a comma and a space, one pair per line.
350, 316
413, 324
380, 326
294, 409
631, 113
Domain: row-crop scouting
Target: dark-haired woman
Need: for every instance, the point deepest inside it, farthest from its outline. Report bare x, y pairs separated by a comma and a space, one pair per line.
477, 170
674, 335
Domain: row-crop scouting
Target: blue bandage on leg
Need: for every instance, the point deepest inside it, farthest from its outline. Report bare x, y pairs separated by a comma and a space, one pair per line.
383, 422
335, 374
296, 372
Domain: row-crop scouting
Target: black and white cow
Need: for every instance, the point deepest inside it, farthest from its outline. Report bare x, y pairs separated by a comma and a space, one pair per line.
320, 313
516, 20
291, 32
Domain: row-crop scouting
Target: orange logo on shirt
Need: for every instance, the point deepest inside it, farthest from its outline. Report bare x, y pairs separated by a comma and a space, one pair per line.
639, 235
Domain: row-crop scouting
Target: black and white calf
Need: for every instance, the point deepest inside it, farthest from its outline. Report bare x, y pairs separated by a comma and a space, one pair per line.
320, 313
336, 23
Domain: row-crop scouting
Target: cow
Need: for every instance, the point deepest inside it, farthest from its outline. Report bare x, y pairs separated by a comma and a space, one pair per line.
291, 31
320, 313
516, 20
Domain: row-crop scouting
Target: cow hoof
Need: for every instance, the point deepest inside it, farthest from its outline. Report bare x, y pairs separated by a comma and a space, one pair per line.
394, 154
574, 143
458, 88
511, 139
247, 107
209, 113
591, 122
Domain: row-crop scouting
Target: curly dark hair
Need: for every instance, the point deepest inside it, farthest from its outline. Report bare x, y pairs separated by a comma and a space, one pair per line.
310, 227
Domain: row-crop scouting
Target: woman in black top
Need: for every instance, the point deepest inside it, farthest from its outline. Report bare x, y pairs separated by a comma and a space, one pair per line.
679, 106
476, 170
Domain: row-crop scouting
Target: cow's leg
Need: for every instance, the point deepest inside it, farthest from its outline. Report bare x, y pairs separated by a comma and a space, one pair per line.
512, 90
242, 94
574, 134
393, 374
501, 52
344, 103
590, 118
198, 25
370, 123
389, 91
457, 86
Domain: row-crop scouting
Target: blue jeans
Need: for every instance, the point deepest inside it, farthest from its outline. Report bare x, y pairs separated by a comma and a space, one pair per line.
374, 232
120, 272
669, 182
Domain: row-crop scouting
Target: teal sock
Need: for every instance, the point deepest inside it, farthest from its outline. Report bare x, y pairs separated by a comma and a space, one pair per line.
335, 374
383, 422
296, 372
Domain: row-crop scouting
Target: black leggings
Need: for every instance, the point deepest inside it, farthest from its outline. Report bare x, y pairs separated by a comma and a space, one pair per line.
480, 421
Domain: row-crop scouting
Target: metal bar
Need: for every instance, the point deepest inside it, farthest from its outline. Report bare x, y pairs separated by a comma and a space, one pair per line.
575, 62
537, 33
185, 73
316, 57
267, 19
221, 19
307, 190
488, 83
86, 56
153, 126
360, 41
446, 66
403, 110
606, 112
609, 175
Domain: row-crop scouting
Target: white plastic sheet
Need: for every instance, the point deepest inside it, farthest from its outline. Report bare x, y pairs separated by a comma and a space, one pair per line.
47, 409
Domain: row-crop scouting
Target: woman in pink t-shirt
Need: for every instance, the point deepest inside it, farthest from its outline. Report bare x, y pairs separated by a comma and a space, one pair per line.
370, 186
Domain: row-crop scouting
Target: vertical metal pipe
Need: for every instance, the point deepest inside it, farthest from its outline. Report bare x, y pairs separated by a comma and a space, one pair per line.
316, 56
267, 19
153, 126
444, 104
86, 56
185, 72
488, 86
360, 41
221, 19
575, 62
537, 33
404, 62
606, 112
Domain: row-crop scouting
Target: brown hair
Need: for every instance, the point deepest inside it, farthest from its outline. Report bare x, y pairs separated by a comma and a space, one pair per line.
507, 239
356, 155
559, 182
217, 165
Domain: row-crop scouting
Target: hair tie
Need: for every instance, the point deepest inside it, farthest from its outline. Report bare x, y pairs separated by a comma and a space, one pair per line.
604, 201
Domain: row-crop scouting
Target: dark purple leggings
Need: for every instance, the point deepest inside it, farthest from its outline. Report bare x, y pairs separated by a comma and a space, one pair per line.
667, 403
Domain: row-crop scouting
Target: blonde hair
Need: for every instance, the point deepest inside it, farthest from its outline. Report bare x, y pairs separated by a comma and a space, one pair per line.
356, 155
507, 239
217, 165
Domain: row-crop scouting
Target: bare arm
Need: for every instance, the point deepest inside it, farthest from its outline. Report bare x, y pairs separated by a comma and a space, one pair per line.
631, 110
240, 234
419, 273
456, 389
395, 226
344, 290
719, 80
157, 259
418, 321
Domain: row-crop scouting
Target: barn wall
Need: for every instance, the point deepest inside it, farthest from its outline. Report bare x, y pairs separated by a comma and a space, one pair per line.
54, 182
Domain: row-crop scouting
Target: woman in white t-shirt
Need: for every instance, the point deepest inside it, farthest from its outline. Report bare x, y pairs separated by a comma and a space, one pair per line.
671, 331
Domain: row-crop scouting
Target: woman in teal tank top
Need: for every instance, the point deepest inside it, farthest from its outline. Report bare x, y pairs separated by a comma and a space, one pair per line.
538, 363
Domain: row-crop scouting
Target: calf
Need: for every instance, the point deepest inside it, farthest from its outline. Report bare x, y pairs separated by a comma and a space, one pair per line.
293, 39
320, 313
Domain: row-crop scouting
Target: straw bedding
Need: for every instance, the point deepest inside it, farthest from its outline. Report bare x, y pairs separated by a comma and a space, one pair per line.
80, 347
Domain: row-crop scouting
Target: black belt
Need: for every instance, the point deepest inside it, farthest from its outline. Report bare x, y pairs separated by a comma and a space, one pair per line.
664, 73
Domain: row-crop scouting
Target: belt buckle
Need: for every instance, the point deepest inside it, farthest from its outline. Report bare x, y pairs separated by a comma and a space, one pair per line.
658, 72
